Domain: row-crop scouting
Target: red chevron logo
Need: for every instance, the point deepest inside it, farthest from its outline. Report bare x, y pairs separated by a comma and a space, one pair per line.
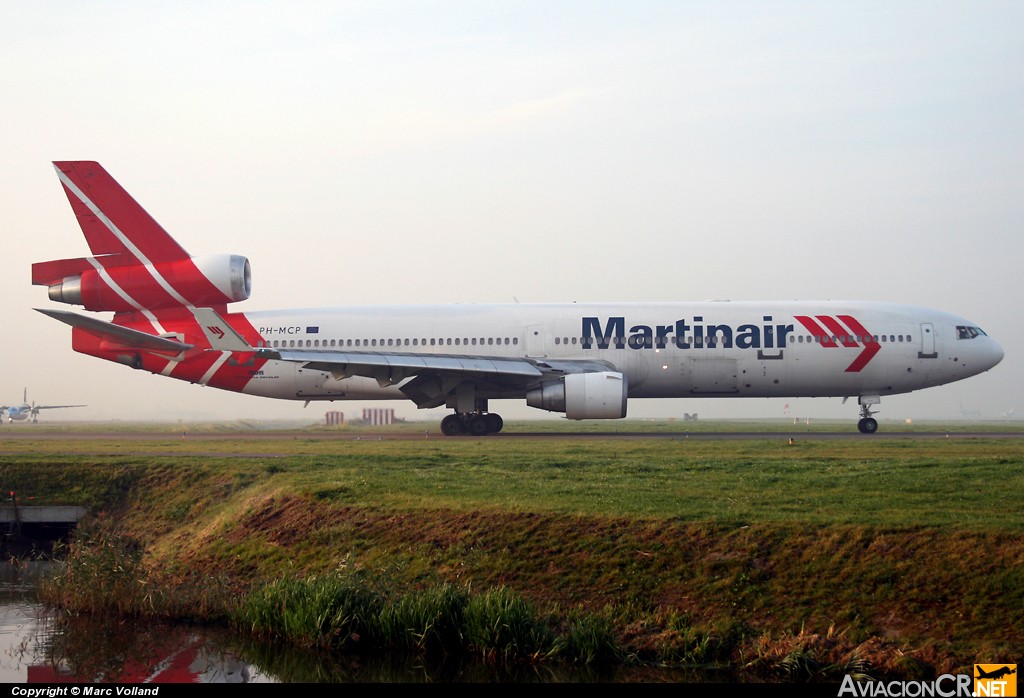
834, 334
214, 329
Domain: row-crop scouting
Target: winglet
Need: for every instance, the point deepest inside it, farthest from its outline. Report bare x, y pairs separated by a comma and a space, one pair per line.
219, 333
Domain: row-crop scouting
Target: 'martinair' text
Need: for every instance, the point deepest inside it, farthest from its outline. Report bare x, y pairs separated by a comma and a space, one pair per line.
684, 334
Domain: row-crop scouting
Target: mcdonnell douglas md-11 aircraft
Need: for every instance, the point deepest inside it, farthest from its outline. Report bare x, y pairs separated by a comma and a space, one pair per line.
586, 360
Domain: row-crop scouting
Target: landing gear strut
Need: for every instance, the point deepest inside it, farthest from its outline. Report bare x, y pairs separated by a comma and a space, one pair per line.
473, 423
867, 423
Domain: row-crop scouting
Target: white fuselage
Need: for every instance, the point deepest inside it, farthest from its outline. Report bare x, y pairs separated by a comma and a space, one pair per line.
719, 349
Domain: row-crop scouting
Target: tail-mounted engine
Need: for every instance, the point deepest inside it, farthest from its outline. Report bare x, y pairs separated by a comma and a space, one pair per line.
99, 283
599, 395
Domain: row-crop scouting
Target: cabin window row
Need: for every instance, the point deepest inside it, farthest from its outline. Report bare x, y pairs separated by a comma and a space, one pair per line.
514, 341
717, 339
406, 342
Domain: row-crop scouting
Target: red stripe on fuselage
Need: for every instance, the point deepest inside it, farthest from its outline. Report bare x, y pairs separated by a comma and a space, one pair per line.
839, 331
234, 373
871, 347
816, 330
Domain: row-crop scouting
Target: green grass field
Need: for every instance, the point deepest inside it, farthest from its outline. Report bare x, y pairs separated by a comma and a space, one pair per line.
900, 555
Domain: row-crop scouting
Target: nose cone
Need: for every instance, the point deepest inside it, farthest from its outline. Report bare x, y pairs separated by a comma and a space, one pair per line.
993, 353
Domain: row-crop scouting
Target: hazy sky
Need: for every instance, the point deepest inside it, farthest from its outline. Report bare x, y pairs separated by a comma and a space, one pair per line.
396, 152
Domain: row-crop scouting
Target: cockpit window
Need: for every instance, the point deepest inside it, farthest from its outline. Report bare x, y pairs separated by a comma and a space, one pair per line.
965, 332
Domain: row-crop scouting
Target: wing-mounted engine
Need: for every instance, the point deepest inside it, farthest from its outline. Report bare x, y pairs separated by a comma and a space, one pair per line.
119, 283
597, 395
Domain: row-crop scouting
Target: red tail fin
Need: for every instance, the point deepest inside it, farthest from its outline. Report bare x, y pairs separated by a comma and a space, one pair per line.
113, 222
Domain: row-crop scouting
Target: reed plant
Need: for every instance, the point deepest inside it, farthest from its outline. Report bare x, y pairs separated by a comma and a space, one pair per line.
331, 611
102, 574
501, 625
498, 625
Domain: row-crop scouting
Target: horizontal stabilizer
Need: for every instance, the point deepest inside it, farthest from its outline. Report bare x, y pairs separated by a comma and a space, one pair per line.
116, 333
53, 272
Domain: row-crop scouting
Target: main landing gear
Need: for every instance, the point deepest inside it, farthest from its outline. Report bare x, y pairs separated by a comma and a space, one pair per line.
867, 423
472, 423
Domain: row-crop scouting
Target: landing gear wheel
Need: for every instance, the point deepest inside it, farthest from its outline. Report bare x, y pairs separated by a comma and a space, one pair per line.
452, 425
867, 423
473, 423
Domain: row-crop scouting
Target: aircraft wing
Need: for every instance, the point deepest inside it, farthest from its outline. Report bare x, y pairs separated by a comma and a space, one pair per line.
123, 336
55, 407
434, 375
397, 367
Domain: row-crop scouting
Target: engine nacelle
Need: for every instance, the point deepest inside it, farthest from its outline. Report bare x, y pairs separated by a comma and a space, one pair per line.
198, 281
583, 396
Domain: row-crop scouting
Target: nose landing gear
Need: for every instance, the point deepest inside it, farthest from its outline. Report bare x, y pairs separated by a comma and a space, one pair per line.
867, 423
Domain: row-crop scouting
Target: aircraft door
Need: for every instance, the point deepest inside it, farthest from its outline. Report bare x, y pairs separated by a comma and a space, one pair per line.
536, 344
927, 342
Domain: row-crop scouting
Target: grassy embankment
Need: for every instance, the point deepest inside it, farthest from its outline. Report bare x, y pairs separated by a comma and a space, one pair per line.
891, 557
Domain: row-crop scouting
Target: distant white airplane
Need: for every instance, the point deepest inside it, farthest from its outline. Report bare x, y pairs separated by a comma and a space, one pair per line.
24, 411
584, 360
